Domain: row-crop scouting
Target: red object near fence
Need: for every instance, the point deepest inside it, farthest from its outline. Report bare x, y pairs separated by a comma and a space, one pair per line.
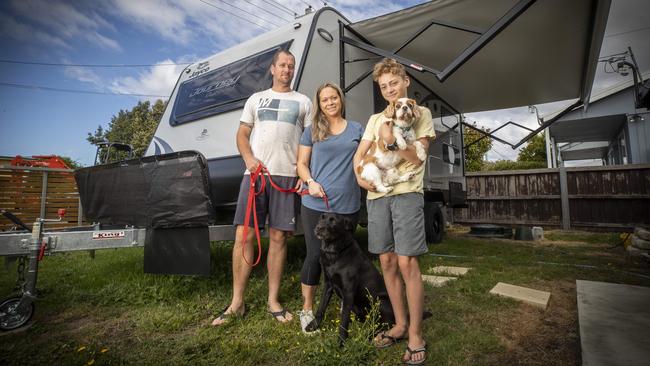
43, 161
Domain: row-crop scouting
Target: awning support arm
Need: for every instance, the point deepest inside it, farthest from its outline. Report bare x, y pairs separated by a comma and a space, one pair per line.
485, 38
380, 52
491, 134
423, 29
548, 123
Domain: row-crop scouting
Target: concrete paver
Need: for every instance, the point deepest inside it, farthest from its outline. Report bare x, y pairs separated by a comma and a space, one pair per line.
527, 295
456, 271
614, 323
437, 281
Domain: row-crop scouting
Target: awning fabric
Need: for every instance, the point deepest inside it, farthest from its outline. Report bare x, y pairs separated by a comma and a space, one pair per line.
548, 53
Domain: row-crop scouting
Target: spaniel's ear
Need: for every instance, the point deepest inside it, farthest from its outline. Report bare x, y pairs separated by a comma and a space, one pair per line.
414, 107
390, 110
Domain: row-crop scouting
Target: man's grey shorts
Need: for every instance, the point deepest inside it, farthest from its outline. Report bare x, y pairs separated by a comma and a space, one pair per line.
281, 208
396, 224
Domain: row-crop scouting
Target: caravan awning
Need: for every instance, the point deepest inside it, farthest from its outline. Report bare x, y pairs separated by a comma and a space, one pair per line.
486, 55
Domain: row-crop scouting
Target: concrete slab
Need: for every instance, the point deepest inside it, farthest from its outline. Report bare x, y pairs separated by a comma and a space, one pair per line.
437, 281
614, 323
456, 271
527, 295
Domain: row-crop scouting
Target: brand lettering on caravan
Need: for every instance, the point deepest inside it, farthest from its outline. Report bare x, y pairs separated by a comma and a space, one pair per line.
218, 85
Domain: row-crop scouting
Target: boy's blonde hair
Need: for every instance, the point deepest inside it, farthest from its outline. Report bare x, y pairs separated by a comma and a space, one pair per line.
388, 65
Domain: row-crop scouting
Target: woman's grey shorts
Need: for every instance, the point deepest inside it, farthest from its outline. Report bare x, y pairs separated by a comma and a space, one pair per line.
396, 224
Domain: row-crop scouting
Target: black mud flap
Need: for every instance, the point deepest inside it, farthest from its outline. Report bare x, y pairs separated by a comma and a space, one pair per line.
179, 251
167, 194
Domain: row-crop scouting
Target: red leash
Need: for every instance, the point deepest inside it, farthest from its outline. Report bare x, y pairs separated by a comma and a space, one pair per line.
250, 205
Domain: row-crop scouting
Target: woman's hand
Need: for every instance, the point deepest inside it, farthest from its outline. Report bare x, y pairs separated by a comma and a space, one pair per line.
315, 189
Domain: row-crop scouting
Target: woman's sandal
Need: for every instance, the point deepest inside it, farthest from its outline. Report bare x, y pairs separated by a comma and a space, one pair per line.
411, 352
280, 313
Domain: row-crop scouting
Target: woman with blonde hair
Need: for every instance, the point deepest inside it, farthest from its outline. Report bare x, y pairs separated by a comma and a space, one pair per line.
325, 164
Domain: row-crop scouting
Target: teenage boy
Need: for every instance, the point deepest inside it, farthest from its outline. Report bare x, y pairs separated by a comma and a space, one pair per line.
396, 219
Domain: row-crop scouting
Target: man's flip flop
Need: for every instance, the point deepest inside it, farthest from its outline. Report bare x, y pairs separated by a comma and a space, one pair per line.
411, 352
385, 340
282, 313
224, 317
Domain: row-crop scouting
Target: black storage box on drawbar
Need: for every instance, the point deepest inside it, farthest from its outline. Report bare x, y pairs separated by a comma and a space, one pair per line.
168, 194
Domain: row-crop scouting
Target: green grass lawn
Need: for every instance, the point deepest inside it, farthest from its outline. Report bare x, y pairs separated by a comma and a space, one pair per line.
106, 311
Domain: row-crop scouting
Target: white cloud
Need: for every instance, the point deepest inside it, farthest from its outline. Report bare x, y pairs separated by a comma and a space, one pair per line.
65, 21
160, 16
85, 75
187, 21
154, 81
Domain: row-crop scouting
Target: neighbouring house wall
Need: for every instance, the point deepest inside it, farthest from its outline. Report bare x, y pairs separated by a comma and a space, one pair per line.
639, 133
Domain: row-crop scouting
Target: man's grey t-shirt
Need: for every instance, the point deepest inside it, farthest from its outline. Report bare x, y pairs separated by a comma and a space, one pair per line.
278, 120
331, 166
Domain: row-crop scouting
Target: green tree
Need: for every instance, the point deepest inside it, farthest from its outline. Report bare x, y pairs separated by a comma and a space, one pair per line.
535, 150
500, 165
73, 164
474, 153
134, 127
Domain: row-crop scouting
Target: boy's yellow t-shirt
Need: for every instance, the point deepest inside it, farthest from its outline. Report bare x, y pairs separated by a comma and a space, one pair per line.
423, 127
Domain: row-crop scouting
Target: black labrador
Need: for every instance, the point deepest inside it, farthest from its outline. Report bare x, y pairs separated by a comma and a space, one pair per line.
349, 273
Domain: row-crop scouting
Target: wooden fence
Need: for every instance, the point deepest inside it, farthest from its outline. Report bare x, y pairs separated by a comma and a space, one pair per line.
610, 197
29, 193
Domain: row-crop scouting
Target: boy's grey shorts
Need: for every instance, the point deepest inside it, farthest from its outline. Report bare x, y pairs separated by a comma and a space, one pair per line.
396, 224
281, 208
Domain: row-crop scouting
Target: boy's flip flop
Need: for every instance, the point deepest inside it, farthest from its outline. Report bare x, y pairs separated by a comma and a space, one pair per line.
411, 352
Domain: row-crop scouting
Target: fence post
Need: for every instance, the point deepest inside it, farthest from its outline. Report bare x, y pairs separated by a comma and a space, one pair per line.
564, 197
43, 194
80, 213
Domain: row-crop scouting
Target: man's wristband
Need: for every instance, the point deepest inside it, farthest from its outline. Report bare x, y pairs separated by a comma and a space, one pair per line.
309, 181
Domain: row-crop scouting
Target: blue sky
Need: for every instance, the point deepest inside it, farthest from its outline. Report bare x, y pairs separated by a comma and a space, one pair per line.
150, 32
154, 32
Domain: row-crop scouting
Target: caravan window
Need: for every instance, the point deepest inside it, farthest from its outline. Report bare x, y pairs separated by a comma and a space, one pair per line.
223, 89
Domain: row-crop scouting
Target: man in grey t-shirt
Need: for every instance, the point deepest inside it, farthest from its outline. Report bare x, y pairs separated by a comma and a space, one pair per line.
270, 128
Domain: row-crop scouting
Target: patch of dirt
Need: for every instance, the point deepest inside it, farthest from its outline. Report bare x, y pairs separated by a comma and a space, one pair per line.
533, 336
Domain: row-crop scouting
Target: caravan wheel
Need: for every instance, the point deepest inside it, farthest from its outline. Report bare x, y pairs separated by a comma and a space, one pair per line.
434, 223
11, 317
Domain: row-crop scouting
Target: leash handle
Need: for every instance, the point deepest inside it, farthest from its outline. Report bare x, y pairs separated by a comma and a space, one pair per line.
305, 192
251, 206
